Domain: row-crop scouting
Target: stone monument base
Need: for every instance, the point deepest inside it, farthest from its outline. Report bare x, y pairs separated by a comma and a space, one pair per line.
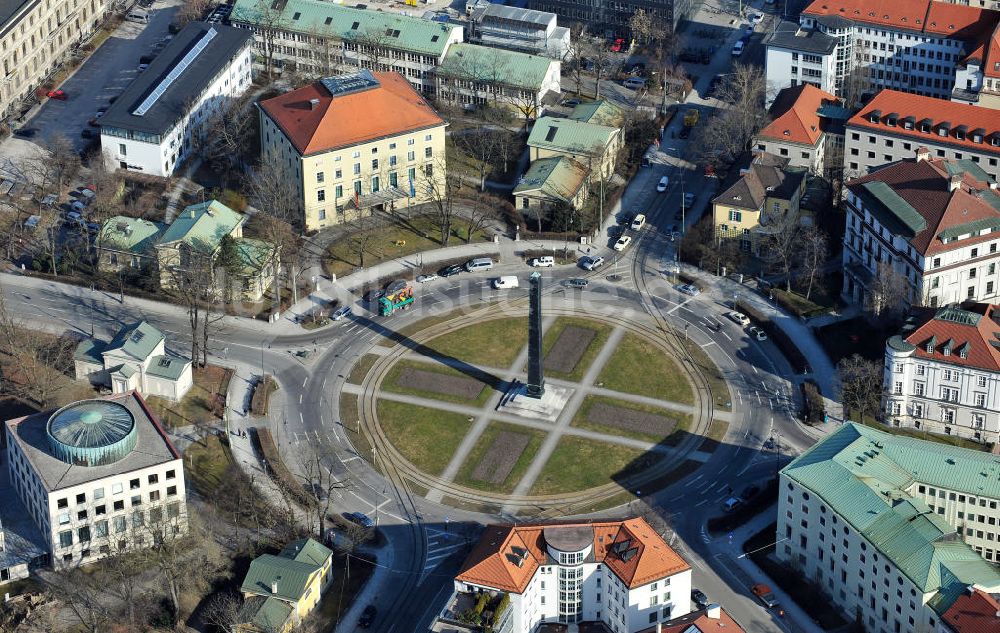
517, 402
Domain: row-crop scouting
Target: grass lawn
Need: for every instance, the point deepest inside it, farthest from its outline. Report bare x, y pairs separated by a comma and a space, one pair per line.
578, 464
640, 368
716, 383
391, 241
683, 420
482, 447
361, 368
426, 437
951, 440
203, 404
494, 343
419, 326
389, 384
552, 335
205, 464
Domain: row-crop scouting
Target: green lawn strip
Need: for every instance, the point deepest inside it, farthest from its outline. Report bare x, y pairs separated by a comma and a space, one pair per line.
578, 464
389, 383
482, 447
643, 369
494, 343
951, 440
419, 326
552, 335
361, 368
580, 420
716, 382
425, 437
713, 439
205, 464
393, 240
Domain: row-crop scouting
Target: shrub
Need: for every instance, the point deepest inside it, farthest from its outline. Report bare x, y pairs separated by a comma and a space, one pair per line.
814, 410
787, 346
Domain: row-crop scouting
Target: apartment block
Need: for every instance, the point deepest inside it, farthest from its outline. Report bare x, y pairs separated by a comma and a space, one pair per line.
795, 56
889, 526
891, 126
805, 120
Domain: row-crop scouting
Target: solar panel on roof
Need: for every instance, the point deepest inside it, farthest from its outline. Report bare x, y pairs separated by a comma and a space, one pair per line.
176, 72
347, 84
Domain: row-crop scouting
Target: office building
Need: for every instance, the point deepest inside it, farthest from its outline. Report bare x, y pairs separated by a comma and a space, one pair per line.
536, 32
610, 20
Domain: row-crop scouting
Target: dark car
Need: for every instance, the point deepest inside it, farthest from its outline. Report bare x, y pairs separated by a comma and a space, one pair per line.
699, 598
25, 132
374, 295
576, 282
146, 59
360, 518
367, 617
448, 271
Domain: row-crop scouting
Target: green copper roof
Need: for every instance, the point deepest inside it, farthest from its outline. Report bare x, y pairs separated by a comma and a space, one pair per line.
317, 18
966, 166
599, 112
202, 226
488, 65
138, 341
567, 135
266, 614
277, 576
957, 315
898, 213
90, 351
167, 366
973, 228
556, 177
866, 476
134, 235
306, 550
253, 254
123, 370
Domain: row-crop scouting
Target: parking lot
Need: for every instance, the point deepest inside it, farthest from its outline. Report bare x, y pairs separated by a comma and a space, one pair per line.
103, 76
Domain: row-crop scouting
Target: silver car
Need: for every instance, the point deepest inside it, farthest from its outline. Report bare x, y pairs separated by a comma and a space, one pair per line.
689, 289
340, 313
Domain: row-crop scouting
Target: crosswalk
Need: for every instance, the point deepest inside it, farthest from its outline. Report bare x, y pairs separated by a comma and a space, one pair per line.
440, 545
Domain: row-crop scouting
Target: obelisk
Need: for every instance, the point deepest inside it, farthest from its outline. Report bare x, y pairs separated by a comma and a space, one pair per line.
536, 382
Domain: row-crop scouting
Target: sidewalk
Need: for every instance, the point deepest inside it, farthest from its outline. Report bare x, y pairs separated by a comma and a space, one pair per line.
380, 578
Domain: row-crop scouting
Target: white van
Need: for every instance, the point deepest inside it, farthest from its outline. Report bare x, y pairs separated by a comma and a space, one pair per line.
479, 264
137, 15
634, 83
738, 48
638, 222
507, 281
545, 261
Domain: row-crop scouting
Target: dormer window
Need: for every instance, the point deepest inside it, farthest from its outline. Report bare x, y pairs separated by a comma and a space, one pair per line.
995, 139
875, 116
946, 350
961, 131
944, 128
963, 351
891, 119
925, 125
931, 344
908, 123
978, 134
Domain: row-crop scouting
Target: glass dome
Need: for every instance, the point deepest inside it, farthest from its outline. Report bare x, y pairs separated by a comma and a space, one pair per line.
92, 432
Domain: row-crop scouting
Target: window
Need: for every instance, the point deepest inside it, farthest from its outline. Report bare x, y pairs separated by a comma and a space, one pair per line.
81, 515
137, 519
84, 534
133, 484
66, 538
171, 491
102, 509
101, 529
171, 474
980, 399
321, 195
122, 149
428, 137
154, 496
428, 152
153, 479
374, 164
735, 216
63, 518
136, 500
81, 498
319, 176
119, 523
98, 493
62, 503
357, 168
411, 156
119, 505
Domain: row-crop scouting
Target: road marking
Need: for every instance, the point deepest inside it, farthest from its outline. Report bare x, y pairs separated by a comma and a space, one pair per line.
707, 344
755, 369
671, 310
692, 481
305, 380
300, 398
351, 329
324, 385
302, 419
701, 503
726, 334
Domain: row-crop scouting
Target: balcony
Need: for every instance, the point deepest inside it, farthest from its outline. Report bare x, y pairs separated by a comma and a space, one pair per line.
477, 612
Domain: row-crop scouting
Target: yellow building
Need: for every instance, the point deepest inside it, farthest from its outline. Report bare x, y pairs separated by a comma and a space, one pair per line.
354, 143
759, 201
592, 145
280, 591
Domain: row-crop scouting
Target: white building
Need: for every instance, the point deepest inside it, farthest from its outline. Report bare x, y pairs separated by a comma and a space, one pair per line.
934, 221
154, 124
799, 127
910, 46
527, 30
620, 573
796, 56
877, 521
893, 124
97, 476
136, 360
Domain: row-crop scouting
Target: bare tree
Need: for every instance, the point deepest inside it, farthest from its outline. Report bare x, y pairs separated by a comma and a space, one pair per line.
443, 192
373, 46
573, 56
861, 383
190, 11
730, 131
321, 483
84, 598
641, 26
225, 137
480, 213
813, 254
35, 359
603, 60
368, 229
480, 144
779, 244
265, 16
889, 292
279, 214
192, 282
223, 611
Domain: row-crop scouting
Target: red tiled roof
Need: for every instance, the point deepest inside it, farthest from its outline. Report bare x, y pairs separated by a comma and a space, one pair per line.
925, 186
954, 325
919, 107
991, 65
392, 108
795, 117
927, 16
493, 562
976, 613
701, 622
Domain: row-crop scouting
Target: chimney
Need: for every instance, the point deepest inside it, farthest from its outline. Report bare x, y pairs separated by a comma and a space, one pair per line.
713, 611
923, 153
274, 587
955, 182
659, 627
313, 104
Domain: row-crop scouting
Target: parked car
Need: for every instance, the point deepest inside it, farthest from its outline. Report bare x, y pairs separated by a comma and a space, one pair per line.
638, 221
146, 59
756, 19
576, 282
663, 184
757, 333
448, 271
422, 279
622, 243
545, 261
591, 263
56, 94
340, 313
360, 518
739, 317
688, 200
142, 67
738, 48
689, 289
77, 206
367, 617
732, 503
570, 103
765, 595
618, 45
74, 217
699, 598
25, 132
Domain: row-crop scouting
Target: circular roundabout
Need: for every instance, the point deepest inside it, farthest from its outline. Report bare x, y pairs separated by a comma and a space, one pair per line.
439, 408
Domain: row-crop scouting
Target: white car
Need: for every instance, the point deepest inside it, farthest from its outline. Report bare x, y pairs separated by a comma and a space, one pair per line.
756, 19
638, 222
340, 313
622, 243
738, 48
662, 185
689, 289
591, 263
757, 333
545, 261
422, 279
740, 318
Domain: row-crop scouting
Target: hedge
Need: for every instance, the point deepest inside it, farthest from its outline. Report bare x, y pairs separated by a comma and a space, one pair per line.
787, 346
262, 391
813, 409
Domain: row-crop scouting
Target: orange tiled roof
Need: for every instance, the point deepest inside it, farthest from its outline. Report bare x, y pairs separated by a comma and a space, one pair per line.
392, 108
904, 104
954, 325
975, 613
701, 622
927, 16
795, 117
494, 561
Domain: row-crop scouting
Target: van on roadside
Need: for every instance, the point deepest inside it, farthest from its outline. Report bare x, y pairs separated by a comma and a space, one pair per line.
479, 264
505, 282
